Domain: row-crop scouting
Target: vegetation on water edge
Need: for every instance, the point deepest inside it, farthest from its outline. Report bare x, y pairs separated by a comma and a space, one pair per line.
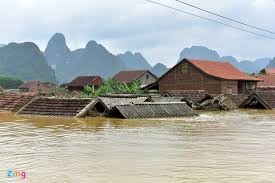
111, 86
8, 82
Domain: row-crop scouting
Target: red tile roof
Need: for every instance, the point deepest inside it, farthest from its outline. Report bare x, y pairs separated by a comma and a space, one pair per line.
221, 70
129, 76
86, 80
270, 71
268, 81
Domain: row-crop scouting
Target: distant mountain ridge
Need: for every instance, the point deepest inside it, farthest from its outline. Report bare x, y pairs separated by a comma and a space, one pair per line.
59, 63
271, 63
94, 59
26, 62
135, 61
200, 52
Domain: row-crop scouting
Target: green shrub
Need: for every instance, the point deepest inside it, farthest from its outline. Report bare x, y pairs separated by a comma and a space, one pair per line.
8, 82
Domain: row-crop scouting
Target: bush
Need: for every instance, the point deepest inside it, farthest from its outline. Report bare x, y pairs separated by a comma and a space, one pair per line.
110, 86
10, 82
61, 92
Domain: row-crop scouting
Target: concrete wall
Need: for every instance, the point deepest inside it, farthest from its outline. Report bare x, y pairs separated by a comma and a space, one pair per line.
147, 80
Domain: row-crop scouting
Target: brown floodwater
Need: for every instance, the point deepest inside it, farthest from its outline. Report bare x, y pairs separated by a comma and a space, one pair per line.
236, 146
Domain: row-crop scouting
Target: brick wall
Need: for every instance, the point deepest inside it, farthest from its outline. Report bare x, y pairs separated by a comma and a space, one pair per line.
188, 77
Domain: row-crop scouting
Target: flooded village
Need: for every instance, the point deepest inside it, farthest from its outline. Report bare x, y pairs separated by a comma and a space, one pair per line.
201, 121
141, 91
189, 86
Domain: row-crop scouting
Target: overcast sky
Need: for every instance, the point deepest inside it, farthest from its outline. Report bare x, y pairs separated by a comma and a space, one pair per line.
120, 25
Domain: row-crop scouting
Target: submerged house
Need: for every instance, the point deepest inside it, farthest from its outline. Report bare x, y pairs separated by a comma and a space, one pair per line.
260, 100
80, 82
37, 87
144, 76
267, 82
213, 77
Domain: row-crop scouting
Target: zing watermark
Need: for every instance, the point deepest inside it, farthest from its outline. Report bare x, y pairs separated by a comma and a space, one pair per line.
19, 174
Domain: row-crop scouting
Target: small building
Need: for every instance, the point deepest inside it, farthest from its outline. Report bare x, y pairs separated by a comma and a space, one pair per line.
213, 77
260, 100
80, 82
144, 76
36, 87
267, 83
270, 71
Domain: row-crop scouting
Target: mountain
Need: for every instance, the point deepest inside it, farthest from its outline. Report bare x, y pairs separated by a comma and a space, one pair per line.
57, 52
159, 69
25, 61
1, 45
271, 64
135, 61
200, 52
94, 59
254, 66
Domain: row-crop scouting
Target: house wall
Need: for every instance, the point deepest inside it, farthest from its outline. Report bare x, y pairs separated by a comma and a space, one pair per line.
40, 88
24, 90
146, 81
187, 77
230, 85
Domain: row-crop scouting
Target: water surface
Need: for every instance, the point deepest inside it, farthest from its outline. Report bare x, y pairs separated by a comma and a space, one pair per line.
234, 147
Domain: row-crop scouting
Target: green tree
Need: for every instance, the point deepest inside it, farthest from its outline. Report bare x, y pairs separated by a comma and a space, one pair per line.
262, 72
8, 82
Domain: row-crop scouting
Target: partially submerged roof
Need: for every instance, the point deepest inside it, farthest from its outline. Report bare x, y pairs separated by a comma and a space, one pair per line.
152, 110
167, 99
85, 80
14, 101
116, 100
263, 99
194, 96
63, 107
268, 81
130, 76
238, 99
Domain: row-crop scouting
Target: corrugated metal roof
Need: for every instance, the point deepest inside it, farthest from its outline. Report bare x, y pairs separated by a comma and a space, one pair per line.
194, 96
152, 110
113, 101
167, 99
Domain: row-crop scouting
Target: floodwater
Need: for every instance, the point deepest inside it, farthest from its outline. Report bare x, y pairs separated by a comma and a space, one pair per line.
234, 147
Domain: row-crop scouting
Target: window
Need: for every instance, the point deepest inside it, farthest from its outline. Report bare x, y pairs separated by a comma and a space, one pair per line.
229, 90
184, 68
147, 76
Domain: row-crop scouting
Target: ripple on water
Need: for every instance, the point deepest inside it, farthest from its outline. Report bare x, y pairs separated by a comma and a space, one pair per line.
234, 146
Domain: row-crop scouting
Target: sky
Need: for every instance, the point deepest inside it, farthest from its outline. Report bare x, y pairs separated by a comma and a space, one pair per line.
139, 26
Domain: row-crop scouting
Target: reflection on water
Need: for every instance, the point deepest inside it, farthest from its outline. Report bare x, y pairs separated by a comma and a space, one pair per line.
235, 146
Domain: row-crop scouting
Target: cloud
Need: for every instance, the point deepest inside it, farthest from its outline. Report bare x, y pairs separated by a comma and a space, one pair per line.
140, 26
